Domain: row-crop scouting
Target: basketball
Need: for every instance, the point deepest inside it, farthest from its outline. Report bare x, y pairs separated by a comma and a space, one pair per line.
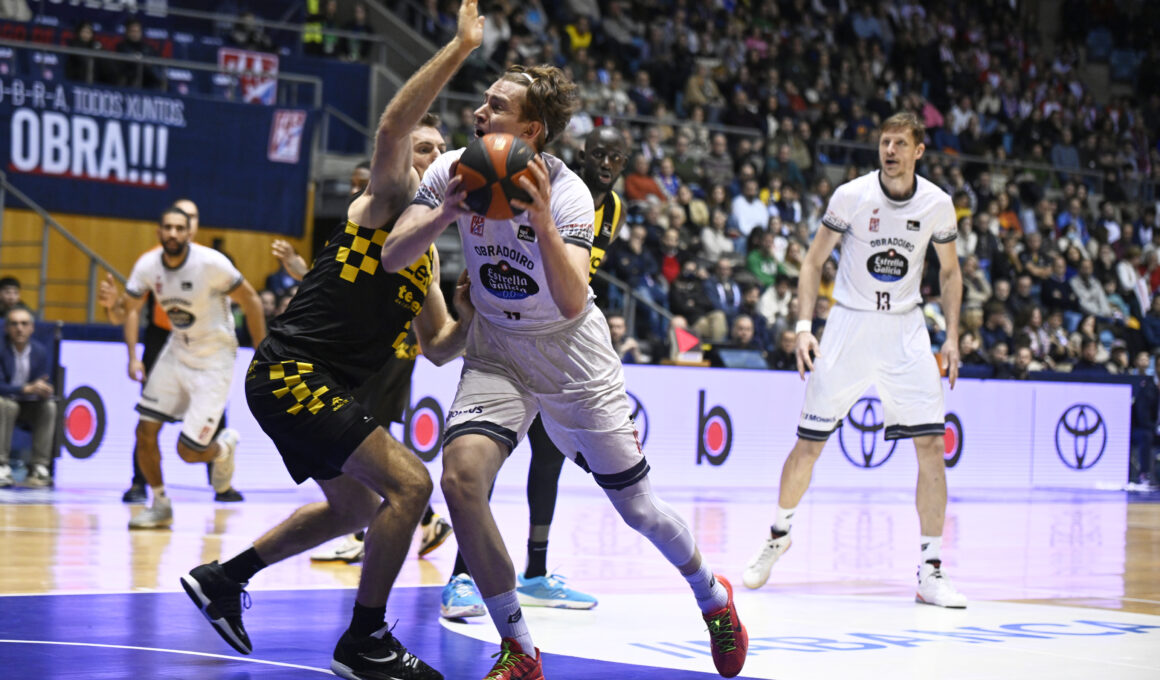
490, 169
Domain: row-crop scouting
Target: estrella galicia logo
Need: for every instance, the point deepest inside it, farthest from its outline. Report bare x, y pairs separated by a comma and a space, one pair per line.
714, 432
180, 318
887, 266
953, 440
639, 418
860, 434
506, 282
423, 429
83, 422
1081, 436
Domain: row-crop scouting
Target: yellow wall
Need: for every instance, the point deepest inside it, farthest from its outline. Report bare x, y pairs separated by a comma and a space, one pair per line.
120, 242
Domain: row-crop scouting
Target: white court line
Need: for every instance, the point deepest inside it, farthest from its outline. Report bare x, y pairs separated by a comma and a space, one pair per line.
169, 651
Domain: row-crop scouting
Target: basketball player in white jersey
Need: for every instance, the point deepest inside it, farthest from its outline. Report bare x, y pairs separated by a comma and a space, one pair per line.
883, 222
191, 379
538, 343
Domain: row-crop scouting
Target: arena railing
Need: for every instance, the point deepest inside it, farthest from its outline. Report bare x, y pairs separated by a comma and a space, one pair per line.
96, 262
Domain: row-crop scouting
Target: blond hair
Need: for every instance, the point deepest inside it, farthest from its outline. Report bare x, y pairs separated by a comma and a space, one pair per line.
551, 97
907, 122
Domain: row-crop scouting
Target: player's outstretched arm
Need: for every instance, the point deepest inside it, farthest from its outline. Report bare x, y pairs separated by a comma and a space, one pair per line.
809, 278
247, 297
294, 263
111, 300
440, 337
951, 286
391, 161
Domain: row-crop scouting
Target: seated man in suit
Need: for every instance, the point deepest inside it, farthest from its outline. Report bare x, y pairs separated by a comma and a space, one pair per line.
25, 396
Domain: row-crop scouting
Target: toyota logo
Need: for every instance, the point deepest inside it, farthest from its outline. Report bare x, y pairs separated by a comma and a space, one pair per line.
1081, 436
859, 434
639, 418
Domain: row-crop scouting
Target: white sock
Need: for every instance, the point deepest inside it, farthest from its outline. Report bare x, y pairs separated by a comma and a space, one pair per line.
784, 520
158, 491
931, 548
710, 594
509, 619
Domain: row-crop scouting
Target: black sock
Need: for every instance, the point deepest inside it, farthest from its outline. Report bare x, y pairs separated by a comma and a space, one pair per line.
242, 567
428, 516
460, 566
537, 559
367, 620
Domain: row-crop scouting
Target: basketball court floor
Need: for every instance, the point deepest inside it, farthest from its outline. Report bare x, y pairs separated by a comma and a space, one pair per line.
1062, 585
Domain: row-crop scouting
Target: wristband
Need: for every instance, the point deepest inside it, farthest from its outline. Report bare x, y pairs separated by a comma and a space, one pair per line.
804, 327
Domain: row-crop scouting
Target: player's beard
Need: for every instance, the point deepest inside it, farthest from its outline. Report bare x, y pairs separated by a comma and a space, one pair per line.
174, 248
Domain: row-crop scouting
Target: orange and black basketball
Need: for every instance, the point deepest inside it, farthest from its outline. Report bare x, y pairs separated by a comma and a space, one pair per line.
490, 169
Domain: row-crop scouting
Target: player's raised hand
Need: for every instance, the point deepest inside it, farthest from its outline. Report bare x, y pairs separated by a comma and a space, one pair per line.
539, 188
107, 291
470, 29
807, 344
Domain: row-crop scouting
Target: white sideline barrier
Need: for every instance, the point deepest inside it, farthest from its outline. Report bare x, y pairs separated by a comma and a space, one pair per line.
711, 429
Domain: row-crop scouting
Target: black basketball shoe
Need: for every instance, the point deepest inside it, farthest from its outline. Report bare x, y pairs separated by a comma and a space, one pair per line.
220, 600
379, 656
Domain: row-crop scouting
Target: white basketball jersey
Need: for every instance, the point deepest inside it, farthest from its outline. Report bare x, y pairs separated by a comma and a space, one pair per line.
884, 241
508, 282
193, 295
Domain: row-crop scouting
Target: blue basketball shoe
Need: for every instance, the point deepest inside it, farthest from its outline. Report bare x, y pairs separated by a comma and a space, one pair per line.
551, 591
461, 599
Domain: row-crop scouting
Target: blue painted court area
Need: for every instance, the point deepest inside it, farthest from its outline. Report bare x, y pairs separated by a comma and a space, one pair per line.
162, 635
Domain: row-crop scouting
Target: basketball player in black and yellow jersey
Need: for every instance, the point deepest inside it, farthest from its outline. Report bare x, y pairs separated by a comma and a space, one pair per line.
602, 162
342, 326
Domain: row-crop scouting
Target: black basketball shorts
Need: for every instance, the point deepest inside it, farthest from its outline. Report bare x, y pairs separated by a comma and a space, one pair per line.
314, 421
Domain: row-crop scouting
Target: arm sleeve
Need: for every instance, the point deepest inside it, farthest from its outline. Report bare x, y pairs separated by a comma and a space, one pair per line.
573, 212
137, 284
946, 229
434, 184
838, 215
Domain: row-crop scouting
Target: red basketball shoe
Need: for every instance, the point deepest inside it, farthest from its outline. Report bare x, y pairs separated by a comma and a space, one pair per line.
513, 664
727, 636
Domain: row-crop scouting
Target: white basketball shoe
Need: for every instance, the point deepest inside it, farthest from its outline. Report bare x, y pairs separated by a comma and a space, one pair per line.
757, 571
936, 589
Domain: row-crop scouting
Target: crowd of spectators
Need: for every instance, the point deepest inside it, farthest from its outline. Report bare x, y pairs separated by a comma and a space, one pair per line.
743, 117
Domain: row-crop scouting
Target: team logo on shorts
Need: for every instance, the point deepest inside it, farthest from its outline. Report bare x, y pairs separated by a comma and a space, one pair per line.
888, 266
714, 432
423, 429
860, 434
953, 440
84, 422
1081, 436
506, 282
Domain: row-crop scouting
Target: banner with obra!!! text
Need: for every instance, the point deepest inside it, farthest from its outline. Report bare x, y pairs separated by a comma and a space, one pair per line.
100, 151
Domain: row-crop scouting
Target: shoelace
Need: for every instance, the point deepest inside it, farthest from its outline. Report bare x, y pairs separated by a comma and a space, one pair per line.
721, 632
507, 660
229, 607
464, 589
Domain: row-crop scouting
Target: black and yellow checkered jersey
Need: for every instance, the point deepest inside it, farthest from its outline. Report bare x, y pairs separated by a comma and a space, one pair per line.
607, 221
350, 315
